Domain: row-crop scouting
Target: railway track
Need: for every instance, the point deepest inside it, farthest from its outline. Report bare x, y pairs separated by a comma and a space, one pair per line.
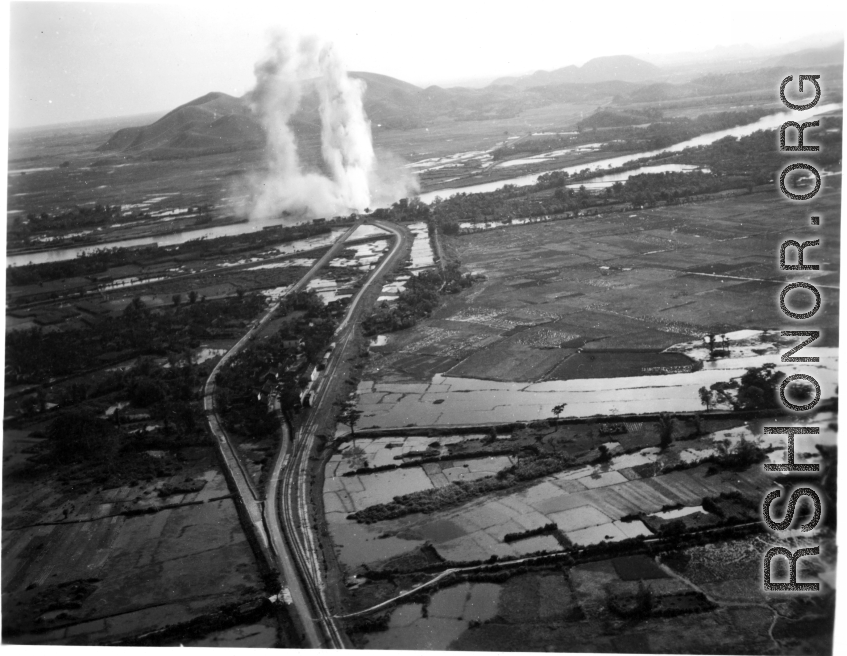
291, 484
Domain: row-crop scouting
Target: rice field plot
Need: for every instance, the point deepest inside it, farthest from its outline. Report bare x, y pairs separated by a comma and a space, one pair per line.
509, 361
587, 504
535, 598
638, 567
596, 324
619, 364
450, 342
348, 489
648, 339
603, 237
141, 570
425, 366
543, 337
476, 314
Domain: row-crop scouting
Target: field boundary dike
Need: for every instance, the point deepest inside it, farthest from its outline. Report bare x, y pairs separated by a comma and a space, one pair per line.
466, 429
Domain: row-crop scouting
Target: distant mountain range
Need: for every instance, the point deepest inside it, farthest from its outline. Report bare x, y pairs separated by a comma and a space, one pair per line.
599, 69
218, 122
833, 54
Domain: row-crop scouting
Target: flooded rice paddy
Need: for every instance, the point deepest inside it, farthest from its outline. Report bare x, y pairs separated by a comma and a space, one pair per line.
328, 289
587, 503
553, 154
346, 491
449, 400
481, 157
464, 401
421, 257
364, 258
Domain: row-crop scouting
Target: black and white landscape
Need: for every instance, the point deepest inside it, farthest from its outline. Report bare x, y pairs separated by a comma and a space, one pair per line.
349, 327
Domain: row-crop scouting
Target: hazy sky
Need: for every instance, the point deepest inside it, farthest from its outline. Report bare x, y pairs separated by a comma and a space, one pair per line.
77, 61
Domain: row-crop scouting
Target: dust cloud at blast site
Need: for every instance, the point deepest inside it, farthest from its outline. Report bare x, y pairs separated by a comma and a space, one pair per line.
354, 179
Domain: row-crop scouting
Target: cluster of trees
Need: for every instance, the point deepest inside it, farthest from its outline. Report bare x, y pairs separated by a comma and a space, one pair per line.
509, 203
644, 190
313, 321
78, 217
274, 360
35, 355
648, 189
405, 210
756, 157
85, 264
757, 389
418, 300
678, 129
112, 450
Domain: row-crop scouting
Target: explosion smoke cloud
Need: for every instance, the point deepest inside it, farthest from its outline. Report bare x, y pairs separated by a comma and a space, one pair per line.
296, 66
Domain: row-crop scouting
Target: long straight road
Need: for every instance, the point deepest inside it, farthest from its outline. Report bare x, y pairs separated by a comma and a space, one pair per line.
288, 508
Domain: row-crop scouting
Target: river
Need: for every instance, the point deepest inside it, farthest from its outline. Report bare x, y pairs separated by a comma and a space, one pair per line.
765, 123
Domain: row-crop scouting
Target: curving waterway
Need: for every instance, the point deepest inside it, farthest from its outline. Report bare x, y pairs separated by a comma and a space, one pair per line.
765, 123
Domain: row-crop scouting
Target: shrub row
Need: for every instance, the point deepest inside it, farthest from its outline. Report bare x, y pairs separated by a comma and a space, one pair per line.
427, 501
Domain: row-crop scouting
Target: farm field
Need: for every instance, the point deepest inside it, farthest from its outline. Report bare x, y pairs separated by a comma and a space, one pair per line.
84, 568
599, 298
588, 502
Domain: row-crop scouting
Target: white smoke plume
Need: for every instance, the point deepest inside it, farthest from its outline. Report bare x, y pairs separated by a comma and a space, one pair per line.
355, 180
